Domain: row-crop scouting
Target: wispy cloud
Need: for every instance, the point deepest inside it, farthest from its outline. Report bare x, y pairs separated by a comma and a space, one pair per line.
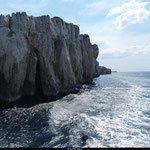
94, 8
67, 0
124, 52
129, 13
31, 7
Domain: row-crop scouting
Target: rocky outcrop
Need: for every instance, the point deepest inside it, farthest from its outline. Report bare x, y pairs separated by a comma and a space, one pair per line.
43, 55
104, 70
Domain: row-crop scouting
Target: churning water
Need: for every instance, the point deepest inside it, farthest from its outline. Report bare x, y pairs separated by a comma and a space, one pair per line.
114, 112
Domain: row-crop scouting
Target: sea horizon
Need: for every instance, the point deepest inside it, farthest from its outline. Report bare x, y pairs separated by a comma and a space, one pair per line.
130, 71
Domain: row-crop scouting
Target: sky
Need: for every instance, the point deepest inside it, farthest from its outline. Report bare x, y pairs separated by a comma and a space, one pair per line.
121, 28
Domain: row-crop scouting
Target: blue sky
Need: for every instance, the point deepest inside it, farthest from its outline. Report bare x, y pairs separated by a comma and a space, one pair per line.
121, 28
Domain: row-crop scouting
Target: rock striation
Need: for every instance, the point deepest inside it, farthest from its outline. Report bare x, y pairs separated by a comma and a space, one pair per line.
43, 55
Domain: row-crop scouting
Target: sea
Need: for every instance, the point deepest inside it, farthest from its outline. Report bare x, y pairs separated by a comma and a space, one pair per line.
114, 111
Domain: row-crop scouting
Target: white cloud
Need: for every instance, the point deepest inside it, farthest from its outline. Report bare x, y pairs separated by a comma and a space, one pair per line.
123, 52
94, 8
129, 13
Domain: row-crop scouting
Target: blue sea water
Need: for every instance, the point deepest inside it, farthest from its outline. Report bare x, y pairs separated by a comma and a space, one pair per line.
114, 112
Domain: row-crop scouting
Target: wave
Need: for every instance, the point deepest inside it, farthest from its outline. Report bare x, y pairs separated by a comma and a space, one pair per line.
112, 113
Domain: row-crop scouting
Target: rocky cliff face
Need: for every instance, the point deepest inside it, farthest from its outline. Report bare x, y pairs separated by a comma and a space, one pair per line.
43, 55
104, 70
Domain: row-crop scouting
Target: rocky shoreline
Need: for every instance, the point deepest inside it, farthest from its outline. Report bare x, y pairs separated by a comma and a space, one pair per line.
43, 55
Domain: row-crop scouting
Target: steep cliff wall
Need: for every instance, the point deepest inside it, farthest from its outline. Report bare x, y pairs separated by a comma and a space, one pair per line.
43, 54
103, 70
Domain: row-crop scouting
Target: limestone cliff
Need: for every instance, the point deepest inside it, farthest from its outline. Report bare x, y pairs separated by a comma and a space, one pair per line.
43, 54
103, 70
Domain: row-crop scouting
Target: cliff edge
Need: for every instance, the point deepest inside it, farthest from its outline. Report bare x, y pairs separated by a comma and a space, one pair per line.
43, 55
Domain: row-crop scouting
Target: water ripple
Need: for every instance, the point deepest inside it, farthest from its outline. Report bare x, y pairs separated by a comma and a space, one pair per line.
114, 112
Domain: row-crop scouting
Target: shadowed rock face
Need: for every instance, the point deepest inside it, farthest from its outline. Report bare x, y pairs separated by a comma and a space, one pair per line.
43, 55
104, 70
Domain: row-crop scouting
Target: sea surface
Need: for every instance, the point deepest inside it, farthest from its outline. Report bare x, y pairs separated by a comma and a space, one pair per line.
113, 112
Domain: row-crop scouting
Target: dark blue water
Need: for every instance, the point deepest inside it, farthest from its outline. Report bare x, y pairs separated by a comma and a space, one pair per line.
115, 112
